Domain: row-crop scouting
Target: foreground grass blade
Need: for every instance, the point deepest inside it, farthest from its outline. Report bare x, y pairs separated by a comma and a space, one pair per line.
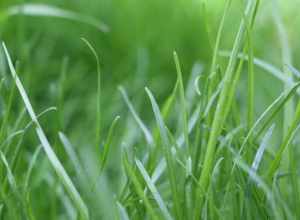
220, 114
182, 100
269, 113
30, 168
153, 190
261, 149
286, 142
260, 183
122, 212
167, 153
10, 176
138, 187
58, 167
145, 130
44, 10
108, 142
71, 153
98, 101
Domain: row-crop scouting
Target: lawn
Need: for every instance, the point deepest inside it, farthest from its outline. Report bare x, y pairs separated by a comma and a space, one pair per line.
149, 109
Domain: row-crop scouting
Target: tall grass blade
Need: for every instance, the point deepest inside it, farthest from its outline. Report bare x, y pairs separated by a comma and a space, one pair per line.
98, 101
167, 153
145, 130
153, 190
182, 100
62, 174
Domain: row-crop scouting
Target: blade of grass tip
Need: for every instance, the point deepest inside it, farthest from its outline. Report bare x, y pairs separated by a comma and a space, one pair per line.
167, 153
286, 142
182, 101
71, 153
122, 212
220, 116
108, 143
153, 190
58, 167
30, 168
191, 89
10, 176
180, 141
139, 188
213, 68
143, 127
261, 149
98, 101
106, 148
45, 10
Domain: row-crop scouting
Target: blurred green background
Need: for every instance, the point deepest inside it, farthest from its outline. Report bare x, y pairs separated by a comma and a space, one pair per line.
135, 52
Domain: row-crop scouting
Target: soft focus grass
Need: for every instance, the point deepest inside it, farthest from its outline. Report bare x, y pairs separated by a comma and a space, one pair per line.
149, 109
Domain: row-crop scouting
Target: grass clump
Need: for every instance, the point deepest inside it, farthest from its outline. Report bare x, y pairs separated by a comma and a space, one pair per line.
207, 149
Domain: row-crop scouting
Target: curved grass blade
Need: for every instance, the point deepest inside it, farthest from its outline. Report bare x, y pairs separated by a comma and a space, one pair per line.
286, 142
260, 183
182, 100
44, 10
139, 188
221, 111
58, 167
261, 149
30, 168
71, 153
10, 176
145, 130
166, 145
108, 143
153, 190
98, 101
269, 113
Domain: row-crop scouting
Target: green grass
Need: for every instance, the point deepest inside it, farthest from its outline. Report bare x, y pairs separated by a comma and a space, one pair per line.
100, 119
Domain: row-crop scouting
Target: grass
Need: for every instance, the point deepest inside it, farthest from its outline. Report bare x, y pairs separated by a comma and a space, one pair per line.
212, 135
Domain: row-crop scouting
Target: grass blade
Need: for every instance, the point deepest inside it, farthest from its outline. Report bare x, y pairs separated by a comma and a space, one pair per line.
71, 153
122, 212
138, 187
167, 154
261, 149
222, 106
145, 130
98, 101
44, 10
153, 190
182, 100
58, 167
286, 142
108, 143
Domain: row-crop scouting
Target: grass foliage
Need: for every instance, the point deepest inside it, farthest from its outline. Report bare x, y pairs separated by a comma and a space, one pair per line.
151, 140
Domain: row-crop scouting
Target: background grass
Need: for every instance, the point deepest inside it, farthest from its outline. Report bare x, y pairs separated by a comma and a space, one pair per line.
138, 155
